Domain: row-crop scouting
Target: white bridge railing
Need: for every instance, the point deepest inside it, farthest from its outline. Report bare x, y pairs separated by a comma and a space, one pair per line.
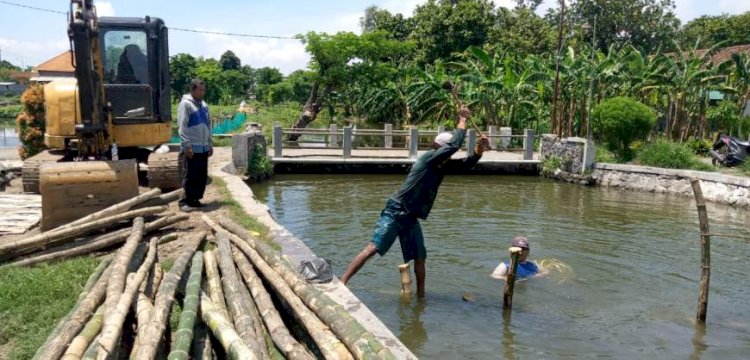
346, 139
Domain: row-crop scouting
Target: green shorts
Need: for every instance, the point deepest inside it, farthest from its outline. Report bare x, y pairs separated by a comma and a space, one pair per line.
396, 221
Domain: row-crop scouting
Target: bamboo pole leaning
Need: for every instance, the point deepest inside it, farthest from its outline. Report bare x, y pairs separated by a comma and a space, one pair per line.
700, 203
116, 281
261, 334
114, 320
510, 278
184, 337
112, 210
152, 332
223, 330
162, 199
25, 245
88, 246
358, 340
286, 343
90, 283
231, 285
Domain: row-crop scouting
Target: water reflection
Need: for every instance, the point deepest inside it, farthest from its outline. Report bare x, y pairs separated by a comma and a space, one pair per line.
699, 345
411, 328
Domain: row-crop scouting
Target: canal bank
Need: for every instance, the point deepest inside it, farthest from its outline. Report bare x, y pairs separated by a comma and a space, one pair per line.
295, 250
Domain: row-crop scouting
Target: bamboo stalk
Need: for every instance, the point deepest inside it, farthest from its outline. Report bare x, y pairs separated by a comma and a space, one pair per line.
330, 346
700, 203
115, 319
405, 278
224, 331
94, 244
278, 331
79, 317
231, 285
80, 343
112, 210
116, 282
213, 281
23, 246
150, 336
358, 340
90, 283
260, 331
92, 350
510, 278
163, 199
184, 336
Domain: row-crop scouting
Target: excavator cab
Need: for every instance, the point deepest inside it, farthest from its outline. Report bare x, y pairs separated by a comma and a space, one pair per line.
109, 122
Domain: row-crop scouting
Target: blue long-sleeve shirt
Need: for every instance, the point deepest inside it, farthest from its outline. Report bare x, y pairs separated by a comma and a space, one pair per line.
420, 188
195, 124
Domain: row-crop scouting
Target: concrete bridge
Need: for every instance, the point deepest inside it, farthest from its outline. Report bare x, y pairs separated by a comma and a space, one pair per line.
351, 150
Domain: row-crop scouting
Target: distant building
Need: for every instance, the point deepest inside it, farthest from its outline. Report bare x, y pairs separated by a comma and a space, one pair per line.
60, 66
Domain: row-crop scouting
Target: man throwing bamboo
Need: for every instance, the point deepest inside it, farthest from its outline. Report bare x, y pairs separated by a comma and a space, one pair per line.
414, 200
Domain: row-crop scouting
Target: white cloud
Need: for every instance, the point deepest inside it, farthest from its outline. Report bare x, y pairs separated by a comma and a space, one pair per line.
286, 55
104, 8
31, 53
349, 22
405, 7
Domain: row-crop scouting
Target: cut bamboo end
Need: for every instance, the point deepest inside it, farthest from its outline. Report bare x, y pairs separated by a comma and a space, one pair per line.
405, 278
514, 249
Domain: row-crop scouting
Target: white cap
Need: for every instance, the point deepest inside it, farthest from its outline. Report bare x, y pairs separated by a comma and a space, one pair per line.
443, 138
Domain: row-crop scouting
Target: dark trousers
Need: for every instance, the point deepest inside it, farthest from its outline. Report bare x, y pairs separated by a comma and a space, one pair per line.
195, 177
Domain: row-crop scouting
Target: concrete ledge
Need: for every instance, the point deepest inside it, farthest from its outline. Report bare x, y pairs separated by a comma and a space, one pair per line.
397, 166
720, 188
295, 250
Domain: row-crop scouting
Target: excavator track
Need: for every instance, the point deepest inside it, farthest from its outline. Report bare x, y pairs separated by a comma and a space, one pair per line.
165, 170
30, 170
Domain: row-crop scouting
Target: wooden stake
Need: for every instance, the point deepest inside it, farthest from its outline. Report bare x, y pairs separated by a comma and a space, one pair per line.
510, 278
705, 250
405, 278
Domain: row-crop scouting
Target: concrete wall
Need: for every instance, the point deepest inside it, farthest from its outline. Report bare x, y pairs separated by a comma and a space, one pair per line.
576, 154
243, 150
720, 188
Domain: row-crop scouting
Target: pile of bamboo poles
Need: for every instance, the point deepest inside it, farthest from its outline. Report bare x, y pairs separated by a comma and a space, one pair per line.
96, 232
239, 300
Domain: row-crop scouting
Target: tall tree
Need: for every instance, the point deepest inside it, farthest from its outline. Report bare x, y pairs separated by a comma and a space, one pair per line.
182, 69
645, 24
709, 30
229, 61
395, 26
443, 28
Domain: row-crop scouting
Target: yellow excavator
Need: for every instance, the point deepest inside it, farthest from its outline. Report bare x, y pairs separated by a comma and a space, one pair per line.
109, 124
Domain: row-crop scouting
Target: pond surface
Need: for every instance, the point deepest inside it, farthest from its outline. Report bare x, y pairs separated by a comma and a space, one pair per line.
8, 136
632, 291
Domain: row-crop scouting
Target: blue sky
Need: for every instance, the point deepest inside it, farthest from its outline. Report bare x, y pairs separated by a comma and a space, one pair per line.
30, 37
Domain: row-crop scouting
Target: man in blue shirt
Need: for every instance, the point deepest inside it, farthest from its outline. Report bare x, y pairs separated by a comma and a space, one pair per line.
195, 144
414, 200
525, 269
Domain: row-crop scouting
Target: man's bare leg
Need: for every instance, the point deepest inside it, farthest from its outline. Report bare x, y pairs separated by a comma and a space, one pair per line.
419, 271
358, 262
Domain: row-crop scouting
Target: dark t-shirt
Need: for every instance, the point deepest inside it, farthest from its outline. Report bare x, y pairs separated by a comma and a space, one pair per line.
420, 188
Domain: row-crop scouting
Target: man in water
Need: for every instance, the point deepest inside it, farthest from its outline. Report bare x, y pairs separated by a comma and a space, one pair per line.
525, 269
414, 200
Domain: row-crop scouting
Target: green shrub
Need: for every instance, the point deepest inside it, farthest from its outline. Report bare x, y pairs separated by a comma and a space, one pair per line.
667, 154
700, 146
550, 164
744, 167
604, 156
10, 111
259, 166
619, 121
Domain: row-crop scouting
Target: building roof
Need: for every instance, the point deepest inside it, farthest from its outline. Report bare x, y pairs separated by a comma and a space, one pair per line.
59, 63
724, 54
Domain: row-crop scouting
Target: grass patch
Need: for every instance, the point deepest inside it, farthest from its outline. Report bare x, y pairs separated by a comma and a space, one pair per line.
238, 215
10, 111
744, 168
33, 300
605, 156
667, 154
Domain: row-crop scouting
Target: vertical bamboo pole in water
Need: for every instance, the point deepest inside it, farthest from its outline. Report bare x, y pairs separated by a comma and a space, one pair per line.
405, 278
510, 278
705, 250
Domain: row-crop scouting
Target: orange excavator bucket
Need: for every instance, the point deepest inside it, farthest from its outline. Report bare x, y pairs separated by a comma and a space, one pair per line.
72, 190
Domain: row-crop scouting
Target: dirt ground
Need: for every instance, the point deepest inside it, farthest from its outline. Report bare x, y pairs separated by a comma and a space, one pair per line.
212, 201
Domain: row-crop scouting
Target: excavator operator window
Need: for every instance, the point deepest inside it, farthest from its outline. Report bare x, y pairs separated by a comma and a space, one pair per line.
125, 60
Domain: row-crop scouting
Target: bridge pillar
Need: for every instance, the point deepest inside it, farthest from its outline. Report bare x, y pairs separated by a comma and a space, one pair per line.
347, 142
388, 136
278, 141
528, 144
471, 141
493, 137
333, 138
413, 143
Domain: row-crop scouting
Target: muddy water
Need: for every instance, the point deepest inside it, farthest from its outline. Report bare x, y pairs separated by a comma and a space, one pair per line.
632, 291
